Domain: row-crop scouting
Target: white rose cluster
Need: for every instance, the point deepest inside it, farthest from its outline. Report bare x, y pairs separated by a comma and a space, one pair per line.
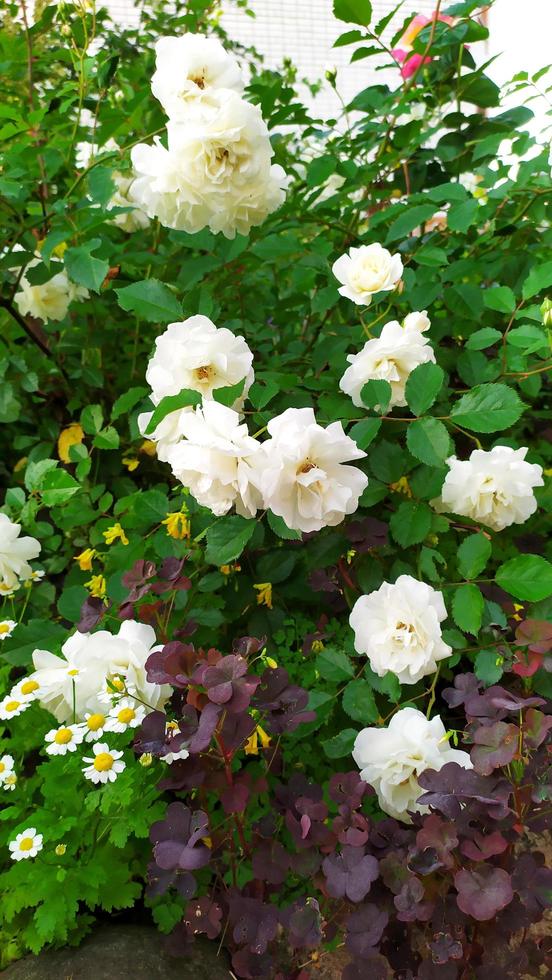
90, 670
493, 488
216, 170
15, 554
48, 300
391, 759
390, 357
298, 472
398, 628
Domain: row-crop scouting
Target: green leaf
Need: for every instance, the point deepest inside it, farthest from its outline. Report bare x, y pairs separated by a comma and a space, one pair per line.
488, 667
467, 608
353, 11
83, 267
423, 386
538, 279
340, 745
280, 528
427, 439
91, 419
479, 89
473, 555
527, 577
461, 216
499, 298
358, 702
57, 487
151, 300
376, 394
334, 665
411, 523
483, 338
107, 438
363, 433
488, 408
409, 219
227, 396
227, 538
171, 403
126, 402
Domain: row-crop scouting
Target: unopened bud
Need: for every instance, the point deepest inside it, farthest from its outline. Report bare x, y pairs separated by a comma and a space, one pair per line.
546, 312
61, 849
146, 759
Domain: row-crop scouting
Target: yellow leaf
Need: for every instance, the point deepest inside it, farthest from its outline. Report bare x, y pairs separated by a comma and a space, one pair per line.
70, 436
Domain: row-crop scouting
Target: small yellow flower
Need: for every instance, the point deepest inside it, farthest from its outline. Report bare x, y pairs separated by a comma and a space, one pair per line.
350, 555
517, 610
317, 646
264, 594
178, 525
148, 447
10, 780
230, 569
72, 435
131, 463
85, 559
97, 586
61, 849
402, 486
113, 533
252, 745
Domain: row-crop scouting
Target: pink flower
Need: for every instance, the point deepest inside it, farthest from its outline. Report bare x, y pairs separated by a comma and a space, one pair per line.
411, 62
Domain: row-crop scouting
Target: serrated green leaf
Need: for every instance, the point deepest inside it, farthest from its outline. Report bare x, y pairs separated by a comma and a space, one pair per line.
107, 438
499, 298
483, 338
227, 538
227, 396
353, 11
126, 402
467, 608
488, 408
539, 278
334, 665
411, 523
488, 667
423, 386
376, 394
172, 403
363, 433
358, 702
473, 555
527, 577
151, 300
428, 440
83, 267
340, 745
57, 487
280, 528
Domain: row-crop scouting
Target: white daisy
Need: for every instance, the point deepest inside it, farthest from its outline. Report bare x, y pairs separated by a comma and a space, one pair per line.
11, 707
93, 726
105, 766
7, 627
115, 688
6, 766
126, 714
172, 729
26, 689
10, 781
37, 574
64, 739
6, 591
27, 844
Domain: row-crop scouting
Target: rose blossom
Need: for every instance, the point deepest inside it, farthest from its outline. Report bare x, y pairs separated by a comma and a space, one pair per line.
198, 355
48, 300
301, 473
75, 683
189, 69
367, 270
390, 357
493, 488
214, 459
128, 221
398, 628
216, 171
392, 758
15, 554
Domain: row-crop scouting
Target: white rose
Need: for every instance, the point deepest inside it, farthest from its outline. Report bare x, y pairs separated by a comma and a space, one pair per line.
301, 473
214, 459
367, 270
188, 69
216, 172
398, 628
418, 320
198, 355
76, 681
166, 434
390, 357
493, 488
49, 300
15, 554
391, 759
128, 221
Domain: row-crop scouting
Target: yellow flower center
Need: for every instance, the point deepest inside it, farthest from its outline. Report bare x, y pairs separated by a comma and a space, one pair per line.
2, 766
95, 722
117, 683
204, 373
28, 687
74, 672
125, 715
103, 762
4, 628
13, 705
63, 736
26, 844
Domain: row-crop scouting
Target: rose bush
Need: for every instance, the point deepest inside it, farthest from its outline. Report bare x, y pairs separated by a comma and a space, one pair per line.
275, 438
